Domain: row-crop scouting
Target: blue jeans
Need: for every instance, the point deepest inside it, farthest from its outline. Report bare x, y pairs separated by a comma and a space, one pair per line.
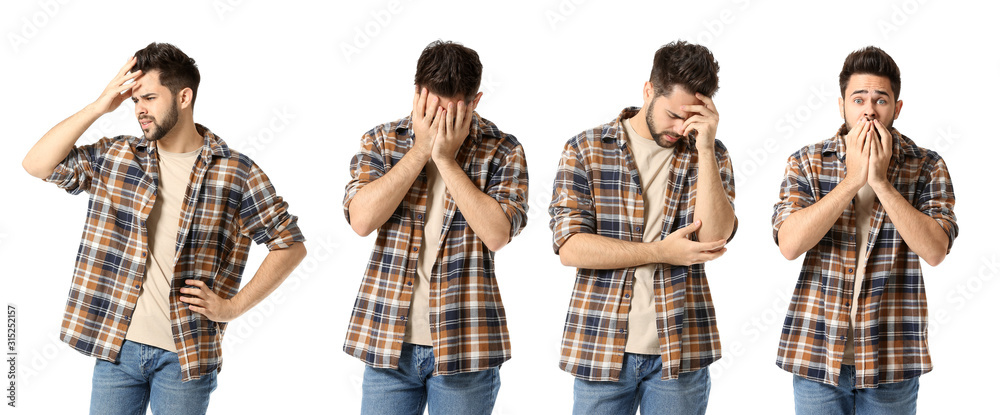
640, 387
812, 397
411, 387
146, 375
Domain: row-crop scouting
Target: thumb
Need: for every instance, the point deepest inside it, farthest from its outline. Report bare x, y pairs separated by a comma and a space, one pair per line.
687, 230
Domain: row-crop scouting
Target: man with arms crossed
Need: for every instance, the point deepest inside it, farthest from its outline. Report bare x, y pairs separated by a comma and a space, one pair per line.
625, 211
445, 189
864, 206
168, 228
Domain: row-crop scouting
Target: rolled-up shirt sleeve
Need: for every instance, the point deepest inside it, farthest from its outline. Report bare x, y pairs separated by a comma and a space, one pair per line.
937, 199
796, 193
509, 187
367, 166
264, 215
79, 171
572, 207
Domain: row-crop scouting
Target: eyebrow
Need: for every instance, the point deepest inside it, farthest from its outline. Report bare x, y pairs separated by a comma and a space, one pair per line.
864, 91
672, 114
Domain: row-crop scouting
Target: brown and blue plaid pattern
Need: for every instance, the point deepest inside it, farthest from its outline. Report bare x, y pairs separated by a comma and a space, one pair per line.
891, 329
467, 319
597, 190
229, 202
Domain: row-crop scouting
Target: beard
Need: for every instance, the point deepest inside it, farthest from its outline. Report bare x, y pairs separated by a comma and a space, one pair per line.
660, 137
161, 129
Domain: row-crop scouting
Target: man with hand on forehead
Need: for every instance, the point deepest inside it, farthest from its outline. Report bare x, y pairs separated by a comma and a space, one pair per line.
168, 228
638, 206
445, 189
864, 206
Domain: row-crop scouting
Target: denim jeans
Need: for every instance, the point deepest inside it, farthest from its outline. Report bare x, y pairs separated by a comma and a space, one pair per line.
411, 387
146, 375
640, 387
812, 397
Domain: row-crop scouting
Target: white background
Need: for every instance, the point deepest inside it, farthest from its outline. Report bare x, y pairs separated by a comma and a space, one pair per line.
277, 84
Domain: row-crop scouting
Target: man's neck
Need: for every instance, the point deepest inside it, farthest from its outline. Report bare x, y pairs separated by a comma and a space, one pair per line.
638, 122
183, 138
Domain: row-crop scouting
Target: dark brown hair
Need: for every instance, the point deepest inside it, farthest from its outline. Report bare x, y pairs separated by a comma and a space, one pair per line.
689, 65
177, 70
870, 61
448, 69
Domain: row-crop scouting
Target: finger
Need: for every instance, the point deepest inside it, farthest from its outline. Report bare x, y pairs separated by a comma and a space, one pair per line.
127, 67
196, 283
421, 108
866, 147
708, 256
687, 230
416, 100
432, 106
885, 136
199, 310
692, 127
460, 114
709, 102
467, 121
194, 300
698, 109
197, 292
449, 123
439, 122
711, 245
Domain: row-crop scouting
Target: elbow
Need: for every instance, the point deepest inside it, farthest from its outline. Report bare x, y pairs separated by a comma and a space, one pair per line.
788, 252
361, 228
33, 170
495, 243
566, 259
935, 258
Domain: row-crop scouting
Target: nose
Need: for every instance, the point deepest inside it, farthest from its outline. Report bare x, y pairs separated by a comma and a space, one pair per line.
869, 110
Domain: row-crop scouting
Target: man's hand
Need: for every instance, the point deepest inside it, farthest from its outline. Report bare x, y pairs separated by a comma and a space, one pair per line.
677, 249
425, 122
452, 131
881, 154
208, 303
858, 142
705, 121
118, 90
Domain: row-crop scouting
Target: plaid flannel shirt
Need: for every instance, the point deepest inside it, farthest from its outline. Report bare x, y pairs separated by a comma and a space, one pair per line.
228, 202
597, 190
891, 327
467, 319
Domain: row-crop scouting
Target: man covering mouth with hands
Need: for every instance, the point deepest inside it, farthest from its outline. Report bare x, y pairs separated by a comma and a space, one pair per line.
169, 225
864, 206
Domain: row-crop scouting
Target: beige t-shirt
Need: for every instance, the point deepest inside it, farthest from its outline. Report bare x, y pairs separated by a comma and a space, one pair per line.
418, 328
863, 204
151, 323
653, 163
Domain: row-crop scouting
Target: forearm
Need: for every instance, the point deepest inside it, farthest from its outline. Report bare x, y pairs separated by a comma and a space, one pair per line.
592, 251
803, 229
273, 270
922, 234
53, 147
482, 212
374, 203
712, 206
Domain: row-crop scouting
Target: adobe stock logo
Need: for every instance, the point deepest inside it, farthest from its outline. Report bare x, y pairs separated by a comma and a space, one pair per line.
35, 22
365, 33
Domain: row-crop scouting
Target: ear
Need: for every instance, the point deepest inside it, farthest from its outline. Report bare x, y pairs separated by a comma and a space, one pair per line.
475, 101
840, 103
647, 92
899, 107
185, 98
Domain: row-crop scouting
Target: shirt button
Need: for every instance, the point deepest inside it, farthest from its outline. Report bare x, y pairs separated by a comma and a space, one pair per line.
851, 238
850, 270
638, 229
409, 283
627, 296
419, 216
843, 338
415, 249
403, 318
621, 330
138, 286
143, 254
